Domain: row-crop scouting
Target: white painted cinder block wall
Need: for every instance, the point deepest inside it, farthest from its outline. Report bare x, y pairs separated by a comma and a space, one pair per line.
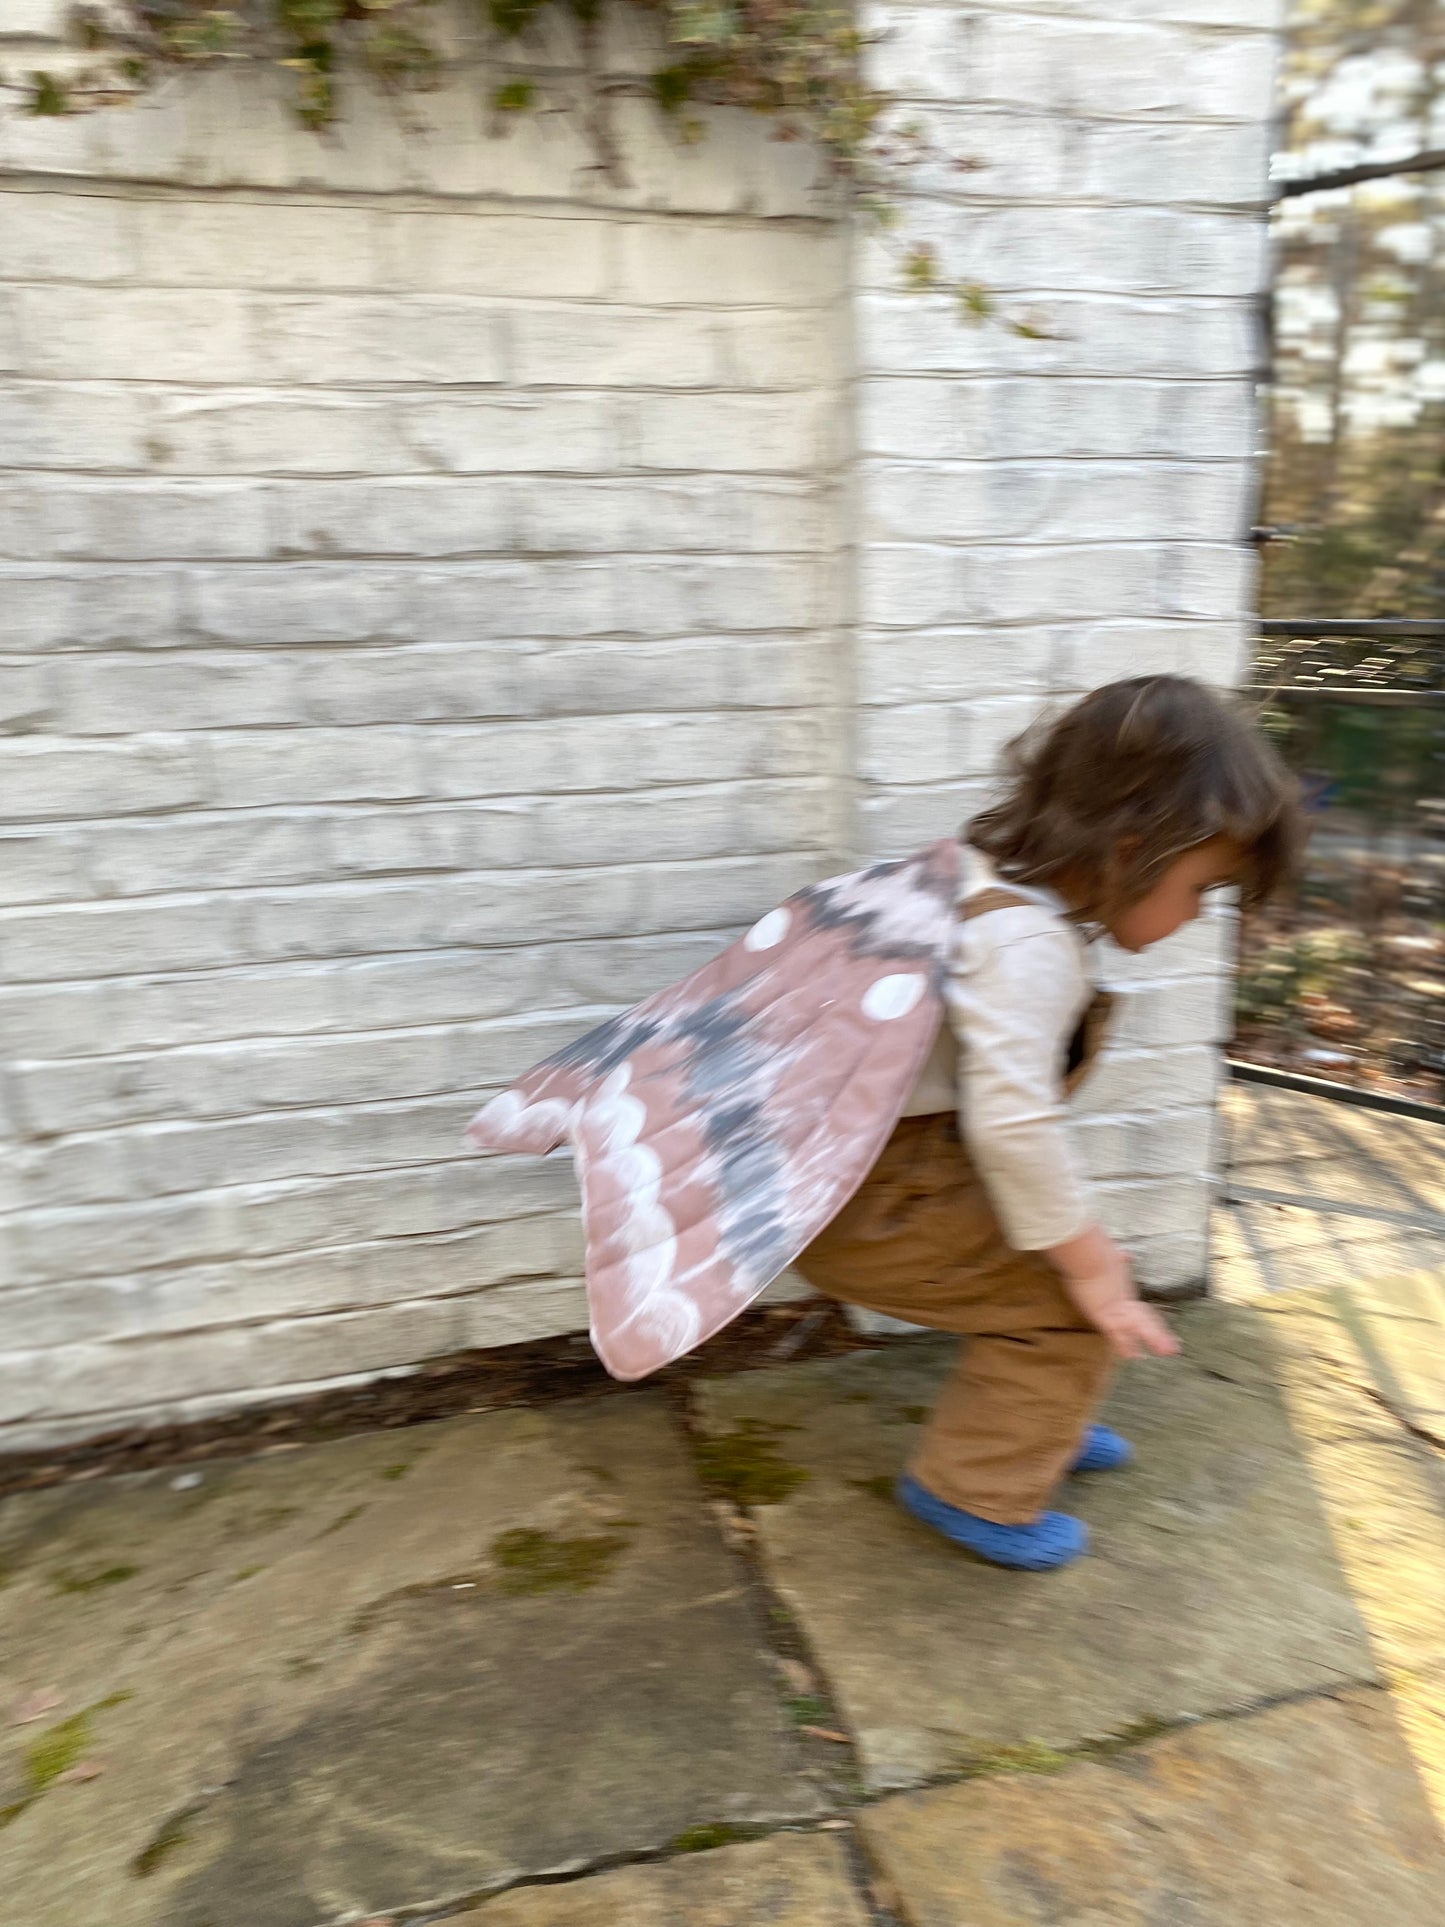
444, 595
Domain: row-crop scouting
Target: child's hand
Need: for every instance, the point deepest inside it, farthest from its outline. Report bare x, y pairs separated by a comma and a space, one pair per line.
1097, 1276
1134, 1330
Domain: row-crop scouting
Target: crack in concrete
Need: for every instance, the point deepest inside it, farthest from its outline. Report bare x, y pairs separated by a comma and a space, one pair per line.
865, 1876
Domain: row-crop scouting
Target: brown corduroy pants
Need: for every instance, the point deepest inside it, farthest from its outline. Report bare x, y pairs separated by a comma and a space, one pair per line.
920, 1241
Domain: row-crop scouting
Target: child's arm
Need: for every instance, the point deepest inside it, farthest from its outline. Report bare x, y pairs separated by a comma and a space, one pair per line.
1097, 1278
1013, 999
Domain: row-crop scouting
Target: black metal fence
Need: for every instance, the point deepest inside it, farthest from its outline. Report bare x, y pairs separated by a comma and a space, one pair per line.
1345, 980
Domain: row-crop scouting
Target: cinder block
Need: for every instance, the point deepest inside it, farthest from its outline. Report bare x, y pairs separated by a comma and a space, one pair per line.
559, 257
75, 941
207, 853
405, 841
1154, 1207
258, 767
1142, 1080
96, 1241
1103, 652
60, 608
66, 237
894, 821
258, 244
760, 265
458, 986
89, 1170
514, 432
1083, 335
415, 685
123, 695
1071, 501
137, 521
536, 1308
751, 433
309, 432
299, 603
1211, 166
26, 699
41, 866
373, 517
323, 339
779, 351
133, 334
939, 742
619, 753
607, 347
51, 778
1176, 1266
953, 665
84, 425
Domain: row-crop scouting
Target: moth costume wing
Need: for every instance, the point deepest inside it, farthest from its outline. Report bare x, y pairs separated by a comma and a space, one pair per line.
719, 1125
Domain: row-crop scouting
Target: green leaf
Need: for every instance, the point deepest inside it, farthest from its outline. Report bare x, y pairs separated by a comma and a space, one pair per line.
514, 97
401, 57
47, 96
920, 268
672, 87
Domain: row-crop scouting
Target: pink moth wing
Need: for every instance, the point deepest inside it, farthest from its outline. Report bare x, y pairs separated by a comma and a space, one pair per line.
721, 1124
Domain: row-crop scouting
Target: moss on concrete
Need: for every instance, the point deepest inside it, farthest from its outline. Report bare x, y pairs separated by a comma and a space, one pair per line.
68, 1580
1029, 1756
531, 1561
880, 1487
169, 1837
705, 1839
60, 1747
746, 1466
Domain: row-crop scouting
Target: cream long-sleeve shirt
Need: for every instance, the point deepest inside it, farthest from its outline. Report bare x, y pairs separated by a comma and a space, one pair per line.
1018, 984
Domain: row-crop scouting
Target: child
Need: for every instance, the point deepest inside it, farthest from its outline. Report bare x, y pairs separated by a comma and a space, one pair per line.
870, 1085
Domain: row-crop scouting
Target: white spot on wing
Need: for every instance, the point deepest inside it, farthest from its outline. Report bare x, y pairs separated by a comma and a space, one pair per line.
649, 1271
672, 1321
769, 931
615, 1122
892, 997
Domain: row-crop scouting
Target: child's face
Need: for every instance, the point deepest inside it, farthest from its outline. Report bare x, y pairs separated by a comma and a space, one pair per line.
1178, 897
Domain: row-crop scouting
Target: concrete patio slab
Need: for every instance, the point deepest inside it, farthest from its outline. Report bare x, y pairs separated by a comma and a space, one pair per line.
398, 1670
1305, 1816
1214, 1583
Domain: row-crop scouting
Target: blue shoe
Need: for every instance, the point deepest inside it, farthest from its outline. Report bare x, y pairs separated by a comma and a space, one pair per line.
1102, 1451
1053, 1539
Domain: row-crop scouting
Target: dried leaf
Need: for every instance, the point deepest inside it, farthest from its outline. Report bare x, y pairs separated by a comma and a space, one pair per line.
35, 1706
825, 1733
81, 1772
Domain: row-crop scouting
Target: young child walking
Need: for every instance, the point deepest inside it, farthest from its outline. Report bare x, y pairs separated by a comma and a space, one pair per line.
871, 1085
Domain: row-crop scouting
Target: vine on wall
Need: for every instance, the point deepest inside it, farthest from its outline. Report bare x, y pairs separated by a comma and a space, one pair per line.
798, 61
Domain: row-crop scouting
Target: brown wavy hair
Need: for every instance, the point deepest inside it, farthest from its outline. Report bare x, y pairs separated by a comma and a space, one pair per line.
1110, 792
